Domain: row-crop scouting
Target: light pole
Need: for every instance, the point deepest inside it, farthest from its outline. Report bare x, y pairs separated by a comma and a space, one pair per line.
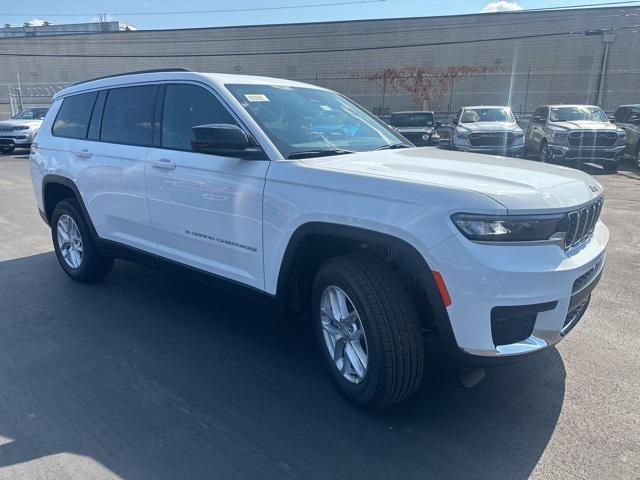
608, 37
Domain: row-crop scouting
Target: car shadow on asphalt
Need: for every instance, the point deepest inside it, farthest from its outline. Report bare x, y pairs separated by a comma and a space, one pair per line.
157, 376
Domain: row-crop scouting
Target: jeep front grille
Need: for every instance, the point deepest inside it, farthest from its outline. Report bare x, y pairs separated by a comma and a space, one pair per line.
582, 222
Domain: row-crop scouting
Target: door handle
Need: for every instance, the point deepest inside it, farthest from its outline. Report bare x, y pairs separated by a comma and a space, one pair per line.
83, 154
163, 164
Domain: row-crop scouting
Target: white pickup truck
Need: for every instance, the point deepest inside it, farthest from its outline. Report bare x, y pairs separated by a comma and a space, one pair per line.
243, 180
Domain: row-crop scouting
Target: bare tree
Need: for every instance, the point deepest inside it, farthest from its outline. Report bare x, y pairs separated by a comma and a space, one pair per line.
423, 84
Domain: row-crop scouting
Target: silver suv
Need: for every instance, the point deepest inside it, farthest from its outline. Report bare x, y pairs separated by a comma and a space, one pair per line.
575, 134
627, 117
20, 131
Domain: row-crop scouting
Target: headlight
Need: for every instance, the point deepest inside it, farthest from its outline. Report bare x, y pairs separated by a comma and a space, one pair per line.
462, 134
22, 127
519, 134
621, 134
490, 228
559, 134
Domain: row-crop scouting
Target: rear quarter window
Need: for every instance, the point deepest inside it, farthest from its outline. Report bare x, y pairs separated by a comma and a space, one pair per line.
72, 120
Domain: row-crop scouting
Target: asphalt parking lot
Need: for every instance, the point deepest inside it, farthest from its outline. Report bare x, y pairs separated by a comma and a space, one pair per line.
151, 376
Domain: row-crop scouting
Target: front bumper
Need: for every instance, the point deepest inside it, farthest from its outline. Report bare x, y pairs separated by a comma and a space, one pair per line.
586, 154
17, 139
514, 150
539, 284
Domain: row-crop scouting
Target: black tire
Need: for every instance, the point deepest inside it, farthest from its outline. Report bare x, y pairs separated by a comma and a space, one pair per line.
394, 340
94, 266
637, 156
611, 167
7, 150
543, 155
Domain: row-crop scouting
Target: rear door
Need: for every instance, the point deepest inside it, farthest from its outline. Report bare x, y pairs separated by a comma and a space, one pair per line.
206, 209
112, 181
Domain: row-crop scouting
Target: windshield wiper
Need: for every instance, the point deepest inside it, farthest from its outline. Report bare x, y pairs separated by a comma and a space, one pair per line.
393, 146
320, 153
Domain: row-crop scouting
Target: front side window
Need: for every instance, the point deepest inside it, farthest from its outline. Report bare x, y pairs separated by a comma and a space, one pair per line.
128, 115
634, 116
418, 119
475, 115
577, 114
32, 114
300, 120
187, 106
72, 120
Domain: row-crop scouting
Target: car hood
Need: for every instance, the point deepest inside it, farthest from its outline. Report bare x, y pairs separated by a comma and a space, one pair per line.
20, 123
521, 186
489, 127
584, 125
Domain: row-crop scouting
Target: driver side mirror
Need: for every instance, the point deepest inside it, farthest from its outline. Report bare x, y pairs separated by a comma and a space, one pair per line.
438, 125
222, 139
454, 121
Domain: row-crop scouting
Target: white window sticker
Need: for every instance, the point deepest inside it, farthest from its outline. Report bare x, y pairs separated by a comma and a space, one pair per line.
256, 97
326, 107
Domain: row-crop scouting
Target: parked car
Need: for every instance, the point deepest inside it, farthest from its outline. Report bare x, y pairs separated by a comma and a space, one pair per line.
420, 128
20, 131
575, 134
627, 117
227, 178
487, 129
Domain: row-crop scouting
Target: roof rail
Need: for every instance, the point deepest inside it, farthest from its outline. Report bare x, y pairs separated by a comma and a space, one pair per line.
157, 70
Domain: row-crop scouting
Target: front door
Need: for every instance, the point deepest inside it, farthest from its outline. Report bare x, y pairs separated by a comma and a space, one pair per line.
206, 209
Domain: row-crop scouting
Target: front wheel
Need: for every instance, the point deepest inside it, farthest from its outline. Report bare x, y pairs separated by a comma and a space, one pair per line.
74, 245
368, 330
611, 167
545, 154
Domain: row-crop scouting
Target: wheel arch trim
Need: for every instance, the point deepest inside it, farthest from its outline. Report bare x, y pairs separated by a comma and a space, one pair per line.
53, 179
419, 265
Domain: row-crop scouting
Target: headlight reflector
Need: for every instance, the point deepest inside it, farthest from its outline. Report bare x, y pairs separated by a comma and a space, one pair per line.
517, 228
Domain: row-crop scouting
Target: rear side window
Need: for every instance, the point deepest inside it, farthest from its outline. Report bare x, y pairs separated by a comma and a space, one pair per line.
186, 106
128, 115
72, 120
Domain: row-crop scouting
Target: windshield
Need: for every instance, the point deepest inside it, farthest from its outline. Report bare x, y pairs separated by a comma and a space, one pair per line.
577, 114
299, 119
419, 119
32, 114
474, 115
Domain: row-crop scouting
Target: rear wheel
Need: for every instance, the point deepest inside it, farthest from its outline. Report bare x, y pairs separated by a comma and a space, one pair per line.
368, 330
74, 245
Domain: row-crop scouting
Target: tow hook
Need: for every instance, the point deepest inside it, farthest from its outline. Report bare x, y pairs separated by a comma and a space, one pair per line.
469, 378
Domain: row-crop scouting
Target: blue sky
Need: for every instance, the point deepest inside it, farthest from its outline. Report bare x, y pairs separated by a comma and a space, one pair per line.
17, 13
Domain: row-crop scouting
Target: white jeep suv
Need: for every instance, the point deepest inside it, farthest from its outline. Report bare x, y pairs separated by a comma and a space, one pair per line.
243, 179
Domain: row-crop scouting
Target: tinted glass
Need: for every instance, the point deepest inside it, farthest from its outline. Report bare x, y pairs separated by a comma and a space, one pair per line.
412, 120
73, 118
621, 114
128, 115
634, 116
300, 119
187, 106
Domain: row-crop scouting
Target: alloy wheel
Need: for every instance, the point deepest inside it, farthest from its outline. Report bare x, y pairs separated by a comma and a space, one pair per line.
344, 334
69, 241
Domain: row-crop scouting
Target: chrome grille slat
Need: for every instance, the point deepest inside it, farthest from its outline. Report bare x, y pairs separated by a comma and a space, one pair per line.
582, 222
